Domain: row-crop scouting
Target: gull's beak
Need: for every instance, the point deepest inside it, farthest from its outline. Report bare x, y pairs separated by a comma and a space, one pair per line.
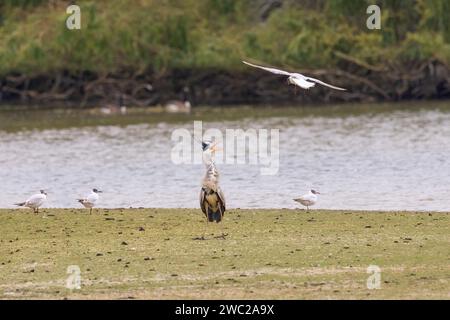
98, 191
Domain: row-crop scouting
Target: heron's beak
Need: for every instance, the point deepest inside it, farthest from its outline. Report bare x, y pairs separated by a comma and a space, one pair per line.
215, 148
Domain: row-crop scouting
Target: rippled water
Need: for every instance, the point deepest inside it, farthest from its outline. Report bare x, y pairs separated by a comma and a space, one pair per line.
360, 157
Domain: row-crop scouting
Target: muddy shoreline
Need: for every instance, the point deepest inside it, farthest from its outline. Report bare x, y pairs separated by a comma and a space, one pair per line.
365, 83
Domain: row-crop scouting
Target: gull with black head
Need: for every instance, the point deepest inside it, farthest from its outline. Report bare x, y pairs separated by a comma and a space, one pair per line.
308, 199
90, 200
35, 201
295, 78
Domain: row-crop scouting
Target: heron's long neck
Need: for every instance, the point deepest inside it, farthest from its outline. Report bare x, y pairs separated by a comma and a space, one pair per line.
211, 169
208, 159
211, 179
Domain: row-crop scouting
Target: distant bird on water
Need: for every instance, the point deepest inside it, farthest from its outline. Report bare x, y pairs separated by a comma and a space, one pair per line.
212, 199
118, 108
90, 200
35, 201
296, 78
308, 199
179, 106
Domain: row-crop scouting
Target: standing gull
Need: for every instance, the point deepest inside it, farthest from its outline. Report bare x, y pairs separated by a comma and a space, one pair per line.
212, 199
90, 200
35, 201
308, 199
296, 78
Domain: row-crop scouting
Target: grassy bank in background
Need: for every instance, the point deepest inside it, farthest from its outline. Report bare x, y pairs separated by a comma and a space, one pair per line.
277, 254
149, 51
203, 34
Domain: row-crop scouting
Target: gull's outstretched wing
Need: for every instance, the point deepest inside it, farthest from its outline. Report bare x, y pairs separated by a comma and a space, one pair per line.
272, 70
324, 84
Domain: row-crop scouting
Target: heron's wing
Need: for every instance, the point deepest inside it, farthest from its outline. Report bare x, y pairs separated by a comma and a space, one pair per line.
202, 201
222, 199
272, 70
324, 84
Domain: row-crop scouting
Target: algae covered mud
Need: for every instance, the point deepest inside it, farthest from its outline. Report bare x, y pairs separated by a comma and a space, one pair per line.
362, 156
268, 254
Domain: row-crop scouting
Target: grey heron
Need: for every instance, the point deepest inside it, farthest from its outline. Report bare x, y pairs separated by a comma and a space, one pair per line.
212, 199
35, 201
296, 78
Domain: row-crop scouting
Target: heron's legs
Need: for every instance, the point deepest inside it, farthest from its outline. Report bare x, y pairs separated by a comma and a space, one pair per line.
205, 229
90, 211
223, 233
307, 208
221, 226
221, 220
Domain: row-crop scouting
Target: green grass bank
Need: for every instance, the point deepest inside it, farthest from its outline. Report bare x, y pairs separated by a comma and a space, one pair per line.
125, 45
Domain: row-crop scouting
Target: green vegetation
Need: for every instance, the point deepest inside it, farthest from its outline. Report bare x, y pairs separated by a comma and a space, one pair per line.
150, 253
204, 34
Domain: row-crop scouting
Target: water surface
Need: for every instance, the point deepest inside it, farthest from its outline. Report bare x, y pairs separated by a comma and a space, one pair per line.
369, 157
